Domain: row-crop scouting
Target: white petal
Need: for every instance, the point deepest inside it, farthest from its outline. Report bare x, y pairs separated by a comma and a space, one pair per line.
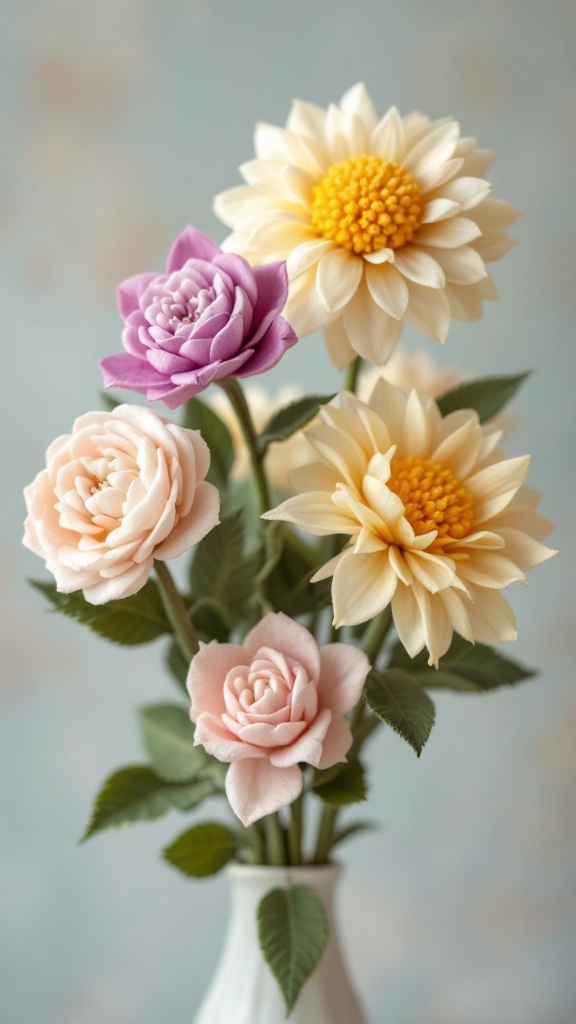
416, 437
357, 101
418, 266
466, 191
496, 213
336, 134
524, 550
465, 302
298, 183
398, 563
356, 135
461, 266
280, 234
439, 209
456, 607
428, 311
237, 204
380, 256
433, 572
371, 332
460, 449
437, 626
338, 277
438, 142
328, 569
304, 309
339, 349
389, 402
307, 119
494, 486
305, 256
477, 162
272, 143
491, 617
431, 153
494, 244
388, 139
363, 586
448, 234
408, 620
316, 513
388, 288
490, 569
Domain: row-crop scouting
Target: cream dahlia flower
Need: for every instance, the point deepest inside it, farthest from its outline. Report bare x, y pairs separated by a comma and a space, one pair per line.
439, 521
380, 221
281, 456
407, 371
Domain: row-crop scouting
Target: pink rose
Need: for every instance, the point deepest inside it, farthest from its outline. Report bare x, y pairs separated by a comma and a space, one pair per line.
125, 487
270, 703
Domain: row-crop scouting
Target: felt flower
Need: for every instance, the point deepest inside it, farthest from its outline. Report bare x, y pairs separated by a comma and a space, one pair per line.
209, 316
381, 221
281, 456
271, 703
125, 487
439, 520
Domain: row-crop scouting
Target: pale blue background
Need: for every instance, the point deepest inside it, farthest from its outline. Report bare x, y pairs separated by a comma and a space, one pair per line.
120, 119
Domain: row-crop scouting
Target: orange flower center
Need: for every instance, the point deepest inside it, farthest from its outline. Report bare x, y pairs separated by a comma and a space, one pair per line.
365, 204
433, 498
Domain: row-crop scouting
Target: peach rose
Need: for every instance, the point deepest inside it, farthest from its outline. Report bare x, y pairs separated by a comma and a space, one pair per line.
270, 703
125, 487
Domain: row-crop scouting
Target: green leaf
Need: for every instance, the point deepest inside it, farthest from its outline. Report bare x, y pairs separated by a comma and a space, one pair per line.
134, 620
273, 548
347, 785
109, 402
351, 830
220, 568
397, 698
177, 664
487, 396
136, 794
168, 737
288, 588
291, 418
466, 667
199, 416
212, 621
293, 931
202, 850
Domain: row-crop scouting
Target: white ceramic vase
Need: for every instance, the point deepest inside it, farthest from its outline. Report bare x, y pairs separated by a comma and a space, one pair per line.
243, 990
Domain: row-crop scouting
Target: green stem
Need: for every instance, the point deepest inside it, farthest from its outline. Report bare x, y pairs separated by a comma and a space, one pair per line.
373, 640
176, 611
258, 851
299, 546
239, 404
295, 833
325, 834
275, 840
351, 377
376, 634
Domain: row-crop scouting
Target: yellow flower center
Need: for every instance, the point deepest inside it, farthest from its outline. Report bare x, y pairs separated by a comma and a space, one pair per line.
365, 204
433, 498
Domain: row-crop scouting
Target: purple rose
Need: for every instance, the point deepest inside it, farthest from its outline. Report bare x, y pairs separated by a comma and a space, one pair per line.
211, 315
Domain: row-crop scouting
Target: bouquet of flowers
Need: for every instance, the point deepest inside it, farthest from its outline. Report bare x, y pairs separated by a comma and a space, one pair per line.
347, 553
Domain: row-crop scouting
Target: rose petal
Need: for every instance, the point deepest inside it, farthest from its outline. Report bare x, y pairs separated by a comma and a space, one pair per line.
255, 788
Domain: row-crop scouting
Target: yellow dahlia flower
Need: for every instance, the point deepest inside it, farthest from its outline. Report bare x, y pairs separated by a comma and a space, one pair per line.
380, 221
439, 520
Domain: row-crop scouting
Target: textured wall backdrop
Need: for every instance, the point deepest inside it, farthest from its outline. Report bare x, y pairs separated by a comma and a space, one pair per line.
120, 120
